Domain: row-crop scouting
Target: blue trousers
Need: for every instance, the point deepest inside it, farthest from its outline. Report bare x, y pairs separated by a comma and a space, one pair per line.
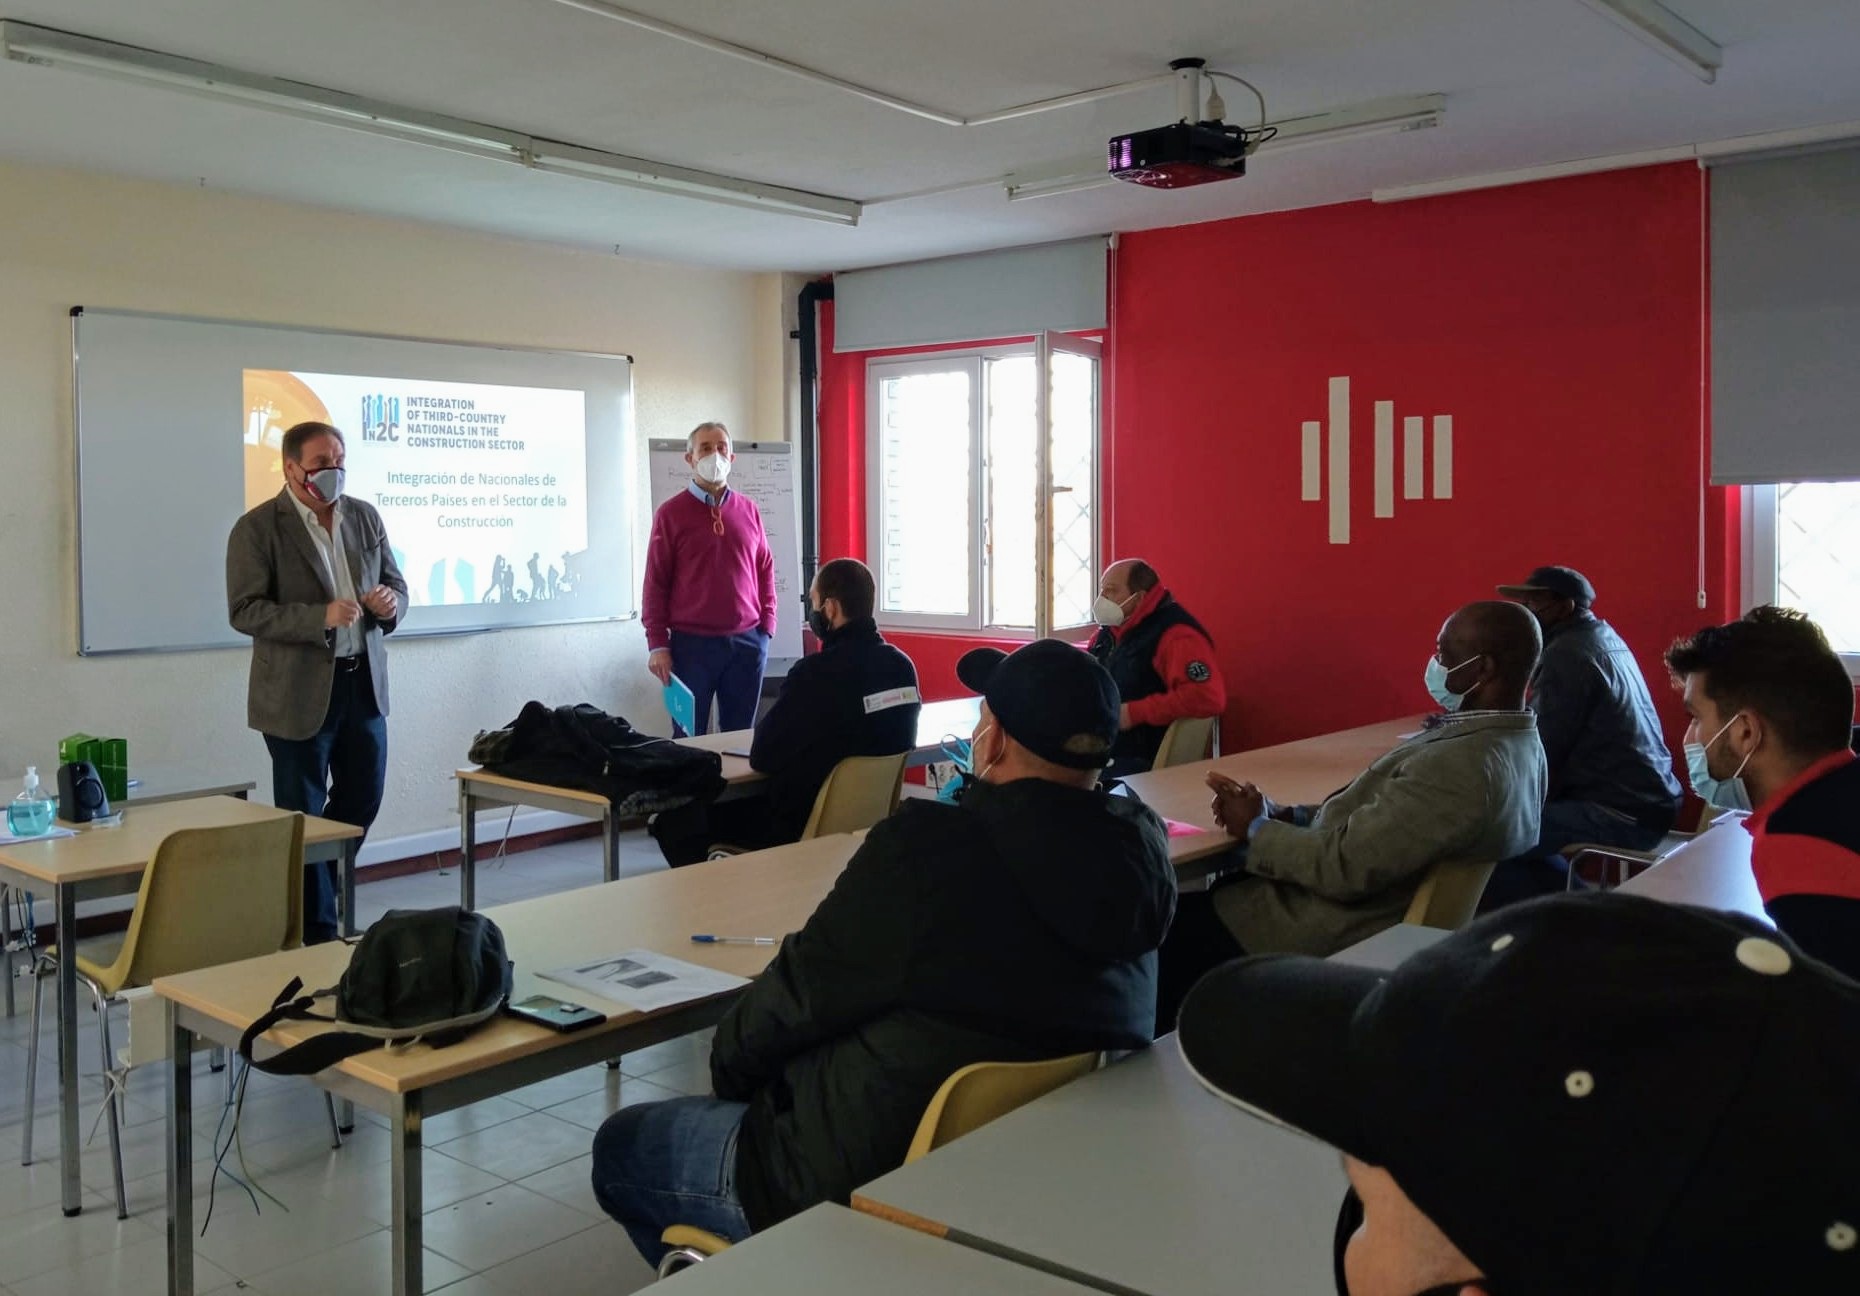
727, 668
674, 1162
1542, 870
337, 773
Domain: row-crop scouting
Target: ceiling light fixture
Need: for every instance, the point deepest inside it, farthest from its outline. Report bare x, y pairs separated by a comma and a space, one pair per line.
47, 47
1380, 117
1659, 28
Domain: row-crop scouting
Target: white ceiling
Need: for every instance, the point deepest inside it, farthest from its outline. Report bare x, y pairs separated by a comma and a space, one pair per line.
1527, 82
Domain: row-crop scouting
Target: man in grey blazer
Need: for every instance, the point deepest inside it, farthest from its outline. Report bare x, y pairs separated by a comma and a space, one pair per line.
1312, 879
310, 577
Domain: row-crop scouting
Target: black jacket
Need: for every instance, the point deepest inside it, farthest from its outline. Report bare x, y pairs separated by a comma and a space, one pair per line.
581, 746
1019, 924
822, 717
1598, 726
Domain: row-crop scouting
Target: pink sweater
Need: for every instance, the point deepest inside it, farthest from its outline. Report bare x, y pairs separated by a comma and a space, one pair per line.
699, 582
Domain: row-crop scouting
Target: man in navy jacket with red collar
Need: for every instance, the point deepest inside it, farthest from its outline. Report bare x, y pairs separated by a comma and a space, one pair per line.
1772, 710
1159, 656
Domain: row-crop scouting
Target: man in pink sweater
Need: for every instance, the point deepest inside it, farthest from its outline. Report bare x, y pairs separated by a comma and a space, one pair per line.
709, 603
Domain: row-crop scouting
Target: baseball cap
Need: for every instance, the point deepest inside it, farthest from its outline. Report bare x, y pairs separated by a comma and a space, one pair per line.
1050, 697
1564, 582
1692, 1126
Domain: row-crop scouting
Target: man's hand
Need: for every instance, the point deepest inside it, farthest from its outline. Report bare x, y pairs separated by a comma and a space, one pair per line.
1235, 805
660, 664
342, 612
1123, 716
381, 601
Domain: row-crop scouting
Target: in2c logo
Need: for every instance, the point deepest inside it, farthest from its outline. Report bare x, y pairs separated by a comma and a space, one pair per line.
380, 418
1336, 459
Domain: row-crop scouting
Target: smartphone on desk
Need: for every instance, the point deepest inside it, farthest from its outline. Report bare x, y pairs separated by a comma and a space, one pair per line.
556, 1014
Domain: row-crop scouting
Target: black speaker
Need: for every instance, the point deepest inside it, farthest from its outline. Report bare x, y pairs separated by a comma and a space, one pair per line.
80, 793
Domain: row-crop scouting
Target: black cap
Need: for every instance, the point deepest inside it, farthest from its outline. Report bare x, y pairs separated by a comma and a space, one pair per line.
1564, 582
1050, 697
1585, 1093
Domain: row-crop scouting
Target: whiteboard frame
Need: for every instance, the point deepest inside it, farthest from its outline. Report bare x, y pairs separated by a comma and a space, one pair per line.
77, 314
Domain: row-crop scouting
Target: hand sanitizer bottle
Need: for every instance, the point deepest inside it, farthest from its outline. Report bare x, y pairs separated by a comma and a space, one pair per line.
30, 813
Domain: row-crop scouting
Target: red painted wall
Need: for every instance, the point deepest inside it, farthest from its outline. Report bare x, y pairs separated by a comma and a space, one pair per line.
1560, 324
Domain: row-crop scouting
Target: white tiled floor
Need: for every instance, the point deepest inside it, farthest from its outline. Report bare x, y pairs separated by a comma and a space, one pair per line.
509, 1210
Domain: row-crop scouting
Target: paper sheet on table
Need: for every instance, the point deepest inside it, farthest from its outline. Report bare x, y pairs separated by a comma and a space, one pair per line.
10, 839
645, 981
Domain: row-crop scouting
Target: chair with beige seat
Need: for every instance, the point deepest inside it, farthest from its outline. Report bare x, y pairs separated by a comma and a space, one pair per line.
859, 791
968, 1100
1184, 741
1449, 895
209, 896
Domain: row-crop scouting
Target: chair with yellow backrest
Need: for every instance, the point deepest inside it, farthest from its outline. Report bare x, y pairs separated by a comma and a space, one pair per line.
209, 896
1184, 741
966, 1101
1448, 895
859, 791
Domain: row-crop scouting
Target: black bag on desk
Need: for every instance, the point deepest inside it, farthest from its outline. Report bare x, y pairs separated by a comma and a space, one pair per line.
583, 747
417, 974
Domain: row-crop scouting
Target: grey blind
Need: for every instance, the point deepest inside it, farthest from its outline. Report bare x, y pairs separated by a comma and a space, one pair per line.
1785, 318
1058, 287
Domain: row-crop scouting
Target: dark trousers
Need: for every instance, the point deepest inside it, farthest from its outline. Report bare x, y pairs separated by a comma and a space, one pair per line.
1197, 943
1542, 870
686, 834
726, 668
674, 1162
336, 773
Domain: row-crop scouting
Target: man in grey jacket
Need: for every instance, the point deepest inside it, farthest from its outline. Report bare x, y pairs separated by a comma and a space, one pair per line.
310, 578
1611, 775
1313, 879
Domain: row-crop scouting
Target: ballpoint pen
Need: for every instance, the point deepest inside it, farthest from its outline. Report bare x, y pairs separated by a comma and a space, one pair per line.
735, 940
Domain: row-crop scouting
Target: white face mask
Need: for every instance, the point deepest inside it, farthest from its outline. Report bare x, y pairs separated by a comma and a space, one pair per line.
1436, 681
1108, 612
713, 468
1726, 794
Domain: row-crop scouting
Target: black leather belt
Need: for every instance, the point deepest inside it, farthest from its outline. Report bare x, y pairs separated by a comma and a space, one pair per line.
354, 663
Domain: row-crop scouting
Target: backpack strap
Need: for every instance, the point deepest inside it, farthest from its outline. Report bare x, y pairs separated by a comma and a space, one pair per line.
331, 1047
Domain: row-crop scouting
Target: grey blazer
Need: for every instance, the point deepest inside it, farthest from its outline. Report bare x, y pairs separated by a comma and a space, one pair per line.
1471, 790
276, 592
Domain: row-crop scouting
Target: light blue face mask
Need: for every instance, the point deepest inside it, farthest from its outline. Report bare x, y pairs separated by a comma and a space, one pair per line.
1727, 793
1436, 681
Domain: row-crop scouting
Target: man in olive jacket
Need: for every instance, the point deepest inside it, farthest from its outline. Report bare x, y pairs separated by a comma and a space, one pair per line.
1020, 923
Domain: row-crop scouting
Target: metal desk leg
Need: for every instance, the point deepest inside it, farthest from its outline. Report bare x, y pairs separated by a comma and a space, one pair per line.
6, 938
408, 1196
68, 1168
468, 841
180, 1158
349, 852
610, 846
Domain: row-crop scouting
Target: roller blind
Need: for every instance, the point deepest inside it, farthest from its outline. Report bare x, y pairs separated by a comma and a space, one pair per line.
1785, 318
1058, 287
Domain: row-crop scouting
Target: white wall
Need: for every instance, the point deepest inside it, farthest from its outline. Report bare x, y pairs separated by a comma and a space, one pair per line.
701, 339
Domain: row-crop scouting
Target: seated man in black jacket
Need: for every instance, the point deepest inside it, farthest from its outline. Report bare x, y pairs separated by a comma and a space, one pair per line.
857, 696
1019, 923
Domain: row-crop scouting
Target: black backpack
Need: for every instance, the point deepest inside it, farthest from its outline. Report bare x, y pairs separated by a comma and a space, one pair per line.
417, 974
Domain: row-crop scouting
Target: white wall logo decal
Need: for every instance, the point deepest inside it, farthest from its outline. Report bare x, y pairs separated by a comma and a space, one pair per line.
1337, 459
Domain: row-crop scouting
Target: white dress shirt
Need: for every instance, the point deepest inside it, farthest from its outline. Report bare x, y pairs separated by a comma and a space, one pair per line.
349, 639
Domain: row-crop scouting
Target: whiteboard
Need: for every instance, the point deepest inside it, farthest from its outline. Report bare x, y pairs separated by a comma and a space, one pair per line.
764, 471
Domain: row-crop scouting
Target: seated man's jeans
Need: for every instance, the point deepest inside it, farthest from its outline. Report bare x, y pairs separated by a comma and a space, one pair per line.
665, 1163
1542, 870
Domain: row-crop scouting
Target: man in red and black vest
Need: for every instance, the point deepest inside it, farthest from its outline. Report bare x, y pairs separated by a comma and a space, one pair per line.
1159, 656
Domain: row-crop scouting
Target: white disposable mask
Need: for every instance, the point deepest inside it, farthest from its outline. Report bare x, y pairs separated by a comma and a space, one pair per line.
1726, 794
714, 468
1436, 681
1108, 611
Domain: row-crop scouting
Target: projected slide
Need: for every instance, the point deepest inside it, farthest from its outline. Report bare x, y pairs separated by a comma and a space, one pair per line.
483, 488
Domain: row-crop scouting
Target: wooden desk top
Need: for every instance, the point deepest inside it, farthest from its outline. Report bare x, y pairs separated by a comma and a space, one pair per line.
125, 849
1712, 871
1294, 773
766, 893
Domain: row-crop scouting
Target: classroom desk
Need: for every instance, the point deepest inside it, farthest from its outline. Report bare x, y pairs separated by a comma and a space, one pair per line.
102, 862
1712, 870
479, 787
832, 1249
770, 892
1294, 773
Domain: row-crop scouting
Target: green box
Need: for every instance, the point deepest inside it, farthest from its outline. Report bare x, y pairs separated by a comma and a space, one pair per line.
109, 756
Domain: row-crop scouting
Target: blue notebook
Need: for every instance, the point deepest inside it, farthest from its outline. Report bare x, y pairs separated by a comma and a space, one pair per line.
681, 704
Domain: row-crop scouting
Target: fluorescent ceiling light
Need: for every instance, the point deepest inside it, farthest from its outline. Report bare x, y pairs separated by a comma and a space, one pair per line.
1724, 150
45, 47
1658, 27
1382, 117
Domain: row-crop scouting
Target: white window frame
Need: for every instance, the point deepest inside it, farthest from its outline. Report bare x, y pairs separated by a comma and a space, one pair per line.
1758, 583
976, 523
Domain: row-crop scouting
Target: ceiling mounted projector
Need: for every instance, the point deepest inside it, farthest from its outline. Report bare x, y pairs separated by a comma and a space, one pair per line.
1197, 148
